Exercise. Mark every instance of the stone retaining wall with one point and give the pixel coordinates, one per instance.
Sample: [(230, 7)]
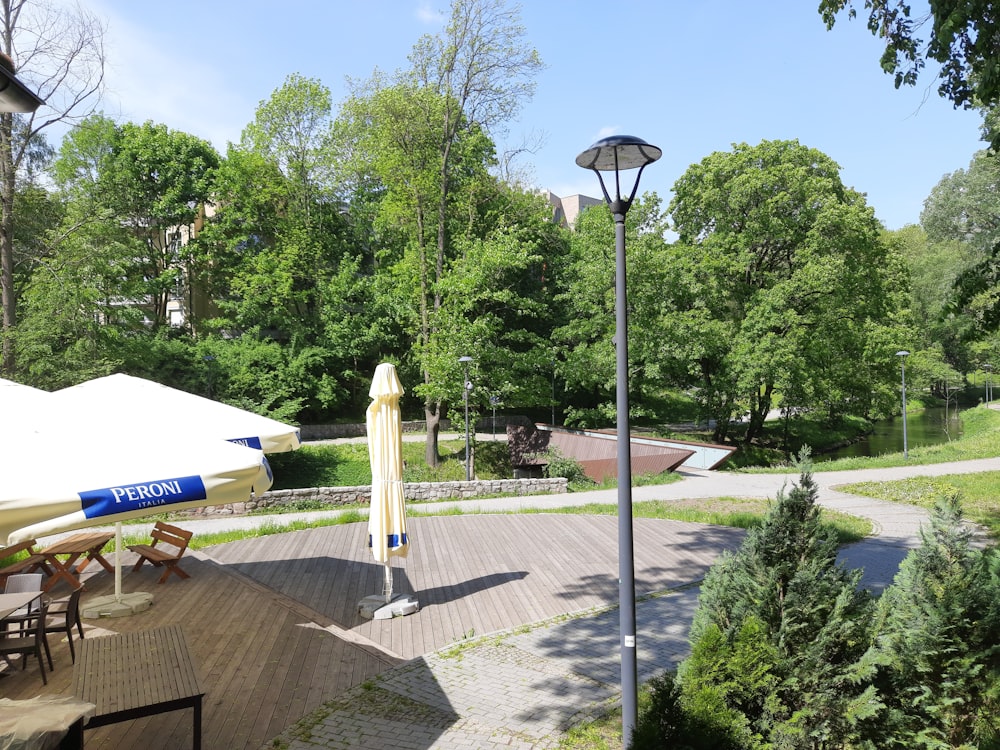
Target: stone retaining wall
[(414, 492)]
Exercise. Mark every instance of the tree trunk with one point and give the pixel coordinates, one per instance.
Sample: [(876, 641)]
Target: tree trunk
[(432, 412), (758, 413), (9, 301)]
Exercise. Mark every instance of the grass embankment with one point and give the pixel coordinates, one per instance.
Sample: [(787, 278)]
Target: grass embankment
[(978, 491), (980, 439)]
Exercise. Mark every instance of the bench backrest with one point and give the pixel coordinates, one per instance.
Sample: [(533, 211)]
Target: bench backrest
[(172, 535), (25, 546)]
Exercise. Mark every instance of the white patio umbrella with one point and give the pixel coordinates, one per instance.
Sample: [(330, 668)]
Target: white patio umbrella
[(63, 482), (160, 421), (20, 404), (387, 517), (124, 400), (53, 483)]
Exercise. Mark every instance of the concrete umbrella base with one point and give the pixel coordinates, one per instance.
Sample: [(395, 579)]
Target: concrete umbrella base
[(121, 605)]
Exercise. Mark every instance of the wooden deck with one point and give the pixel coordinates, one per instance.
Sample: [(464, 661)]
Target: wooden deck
[(273, 627)]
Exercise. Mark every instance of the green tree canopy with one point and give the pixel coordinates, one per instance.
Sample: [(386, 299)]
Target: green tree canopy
[(783, 285), (424, 138), (155, 181), (585, 328), (961, 36)]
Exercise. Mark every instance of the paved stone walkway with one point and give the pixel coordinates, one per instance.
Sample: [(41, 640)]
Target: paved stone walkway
[(524, 689)]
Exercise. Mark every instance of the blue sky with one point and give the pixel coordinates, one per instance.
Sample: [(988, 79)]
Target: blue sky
[(691, 78)]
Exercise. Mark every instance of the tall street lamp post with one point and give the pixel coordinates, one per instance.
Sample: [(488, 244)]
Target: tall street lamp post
[(613, 154), (903, 354), (466, 387)]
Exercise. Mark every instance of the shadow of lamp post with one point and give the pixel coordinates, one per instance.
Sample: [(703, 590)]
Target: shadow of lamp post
[(613, 154), (903, 354)]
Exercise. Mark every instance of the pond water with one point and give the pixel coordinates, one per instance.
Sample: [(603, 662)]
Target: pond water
[(927, 427)]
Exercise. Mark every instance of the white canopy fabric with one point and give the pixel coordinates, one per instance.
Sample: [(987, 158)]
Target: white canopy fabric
[(60, 482), (122, 447), (123, 402), (20, 404), (387, 519)]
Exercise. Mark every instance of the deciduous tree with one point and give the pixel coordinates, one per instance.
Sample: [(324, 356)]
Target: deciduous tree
[(59, 53), (782, 281), (585, 326), (155, 181), (427, 135)]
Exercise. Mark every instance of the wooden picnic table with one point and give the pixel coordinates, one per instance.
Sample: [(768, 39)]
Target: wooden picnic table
[(87, 545), (131, 675)]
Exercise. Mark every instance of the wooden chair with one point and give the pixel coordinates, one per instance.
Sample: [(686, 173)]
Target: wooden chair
[(171, 536), (31, 640), (63, 616)]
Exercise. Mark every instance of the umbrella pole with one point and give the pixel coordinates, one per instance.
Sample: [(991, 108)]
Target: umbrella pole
[(117, 604), (118, 561), (387, 586)]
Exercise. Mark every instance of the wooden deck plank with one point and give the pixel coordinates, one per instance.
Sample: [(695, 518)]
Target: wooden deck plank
[(273, 628)]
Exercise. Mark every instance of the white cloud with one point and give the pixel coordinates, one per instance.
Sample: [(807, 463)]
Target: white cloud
[(427, 15), (146, 80)]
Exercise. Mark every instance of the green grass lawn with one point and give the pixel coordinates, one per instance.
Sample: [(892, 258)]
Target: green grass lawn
[(978, 491), (347, 464)]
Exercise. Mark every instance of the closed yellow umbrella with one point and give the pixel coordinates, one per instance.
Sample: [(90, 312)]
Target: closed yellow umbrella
[(387, 518)]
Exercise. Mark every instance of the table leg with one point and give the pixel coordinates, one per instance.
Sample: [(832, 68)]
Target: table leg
[(197, 724), (61, 570), (93, 556), (73, 739)]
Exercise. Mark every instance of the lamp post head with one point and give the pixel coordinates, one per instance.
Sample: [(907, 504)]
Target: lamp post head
[(902, 353), (618, 152), (613, 154), (465, 359)]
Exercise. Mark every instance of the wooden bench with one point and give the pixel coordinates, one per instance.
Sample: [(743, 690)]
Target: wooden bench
[(32, 562), (131, 675), (171, 536)]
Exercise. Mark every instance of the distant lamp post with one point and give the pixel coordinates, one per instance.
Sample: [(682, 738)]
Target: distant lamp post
[(466, 388), (989, 383), (903, 354), (613, 154), (494, 400)]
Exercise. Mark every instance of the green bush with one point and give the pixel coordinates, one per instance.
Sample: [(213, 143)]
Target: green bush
[(558, 465), (667, 723)]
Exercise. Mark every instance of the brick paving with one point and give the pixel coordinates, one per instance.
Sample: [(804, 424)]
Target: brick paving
[(519, 690)]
